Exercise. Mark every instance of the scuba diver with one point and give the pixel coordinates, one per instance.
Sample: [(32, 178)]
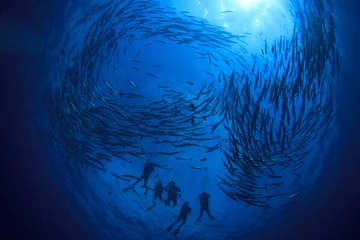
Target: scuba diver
[(158, 194), (184, 211), (149, 167), (172, 191), (204, 206)]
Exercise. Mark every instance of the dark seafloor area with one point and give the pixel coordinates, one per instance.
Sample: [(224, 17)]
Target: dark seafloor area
[(35, 206)]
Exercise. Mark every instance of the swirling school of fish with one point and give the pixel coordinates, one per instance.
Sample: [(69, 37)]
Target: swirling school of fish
[(273, 110)]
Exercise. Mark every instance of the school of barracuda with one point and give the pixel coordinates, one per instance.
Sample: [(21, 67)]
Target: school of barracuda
[(272, 109)]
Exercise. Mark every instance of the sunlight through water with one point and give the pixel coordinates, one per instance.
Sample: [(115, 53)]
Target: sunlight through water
[(247, 3), (228, 97)]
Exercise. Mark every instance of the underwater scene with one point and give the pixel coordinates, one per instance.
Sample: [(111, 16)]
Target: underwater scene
[(181, 119)]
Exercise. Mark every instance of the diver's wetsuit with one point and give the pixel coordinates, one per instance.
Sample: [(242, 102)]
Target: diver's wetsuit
[(158, 194), (204, 206), (148, 169), (185, 210), (172, 194)]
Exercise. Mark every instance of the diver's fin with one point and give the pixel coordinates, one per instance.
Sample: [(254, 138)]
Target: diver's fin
[(169, 228), (151, 207)]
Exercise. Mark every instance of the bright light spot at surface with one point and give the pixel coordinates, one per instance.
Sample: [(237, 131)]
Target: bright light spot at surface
[(262, 18), (246, 3)]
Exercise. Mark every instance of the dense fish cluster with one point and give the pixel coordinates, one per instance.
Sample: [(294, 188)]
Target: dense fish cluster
[(274, 106)]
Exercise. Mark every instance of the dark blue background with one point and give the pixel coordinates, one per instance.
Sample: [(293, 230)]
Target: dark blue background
[(33, 205)]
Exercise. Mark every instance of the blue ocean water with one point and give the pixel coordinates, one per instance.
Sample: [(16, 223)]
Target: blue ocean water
[(48, 193)]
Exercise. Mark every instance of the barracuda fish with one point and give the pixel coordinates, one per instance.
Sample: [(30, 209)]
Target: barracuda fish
[(130, 176), (121, 178), (265, 111), (170, 153), (132, 84), (183, 158), (198, 168)]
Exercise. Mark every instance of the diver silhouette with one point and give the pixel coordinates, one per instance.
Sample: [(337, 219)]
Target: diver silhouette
[(204, 206), (172, 191), (184, 211), (158, 194), (149, 167)]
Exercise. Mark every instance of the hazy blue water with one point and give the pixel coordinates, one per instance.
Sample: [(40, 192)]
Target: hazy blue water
[(45, 208)]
